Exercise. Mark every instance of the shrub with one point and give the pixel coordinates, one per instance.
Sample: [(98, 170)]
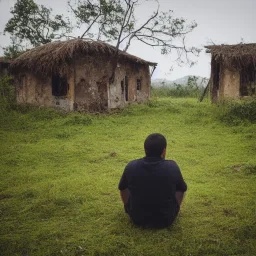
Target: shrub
[(177, 91), (7, 92), (234, 113)]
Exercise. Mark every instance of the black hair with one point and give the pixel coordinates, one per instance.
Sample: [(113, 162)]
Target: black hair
[(154, 145)]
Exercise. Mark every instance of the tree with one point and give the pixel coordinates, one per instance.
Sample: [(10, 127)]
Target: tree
[(100, 18), (35, 23), (14, 49), (192, 82), (116, 21)]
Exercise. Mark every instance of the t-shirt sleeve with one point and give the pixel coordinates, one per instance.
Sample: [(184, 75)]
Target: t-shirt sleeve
[(123, 183), (180, 183)]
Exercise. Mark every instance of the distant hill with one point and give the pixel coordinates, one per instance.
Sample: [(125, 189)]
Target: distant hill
[(200, 81)]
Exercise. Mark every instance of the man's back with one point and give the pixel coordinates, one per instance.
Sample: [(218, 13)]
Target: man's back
[(152, 182)]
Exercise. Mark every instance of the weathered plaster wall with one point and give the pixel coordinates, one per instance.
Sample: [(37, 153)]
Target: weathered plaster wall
[(144, 74), (32, 90), (131, 72), (229, 83), (89, 87), (37, 90), (116, 95), (93, 91), (91, 84)]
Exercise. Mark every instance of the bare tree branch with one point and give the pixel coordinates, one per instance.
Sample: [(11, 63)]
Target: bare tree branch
[(132, 35), (124, 20), (89, 27)]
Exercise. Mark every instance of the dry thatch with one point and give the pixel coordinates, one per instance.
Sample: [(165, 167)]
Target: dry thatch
[(4, 60), (57, 56), (234, 56)]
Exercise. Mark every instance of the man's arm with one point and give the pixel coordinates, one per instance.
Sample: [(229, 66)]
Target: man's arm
[(181, 186), (125, 195), (179, 196), (123, 187)]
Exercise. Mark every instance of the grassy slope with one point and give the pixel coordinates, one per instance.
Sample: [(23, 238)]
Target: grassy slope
[(59, 176)]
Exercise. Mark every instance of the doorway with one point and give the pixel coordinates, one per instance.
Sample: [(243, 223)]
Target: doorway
[(126, 89)]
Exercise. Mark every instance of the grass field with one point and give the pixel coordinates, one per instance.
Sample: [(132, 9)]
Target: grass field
[(59, 175)]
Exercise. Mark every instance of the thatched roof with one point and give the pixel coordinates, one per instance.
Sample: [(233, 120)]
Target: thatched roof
[(4, 60), (52, 57), (239, 55)]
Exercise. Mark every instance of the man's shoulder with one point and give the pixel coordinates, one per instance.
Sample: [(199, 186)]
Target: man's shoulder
[(171, 165), (170, 162), (133, 163)]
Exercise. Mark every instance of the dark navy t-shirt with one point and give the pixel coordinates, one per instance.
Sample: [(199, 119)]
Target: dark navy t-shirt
[(152, 183)]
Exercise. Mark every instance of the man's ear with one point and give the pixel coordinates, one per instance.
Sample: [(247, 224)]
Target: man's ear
[(163, 153)]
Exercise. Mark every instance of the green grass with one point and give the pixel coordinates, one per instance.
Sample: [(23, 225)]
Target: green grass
[(59, 175)]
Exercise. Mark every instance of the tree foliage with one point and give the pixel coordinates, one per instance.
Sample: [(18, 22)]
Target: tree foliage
[(116, 21), (99, 18), (35, 23), (14, 49)]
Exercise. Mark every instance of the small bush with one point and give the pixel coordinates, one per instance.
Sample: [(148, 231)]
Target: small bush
[(235, 113), (7, 93), (177, 91)]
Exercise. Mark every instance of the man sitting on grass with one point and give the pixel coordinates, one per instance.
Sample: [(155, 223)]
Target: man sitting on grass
[(152, 188)]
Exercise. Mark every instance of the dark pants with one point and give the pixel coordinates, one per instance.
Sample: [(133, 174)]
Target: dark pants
[(145, 223)]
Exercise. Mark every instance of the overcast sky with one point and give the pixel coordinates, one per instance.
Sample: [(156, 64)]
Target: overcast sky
[(220, 21)]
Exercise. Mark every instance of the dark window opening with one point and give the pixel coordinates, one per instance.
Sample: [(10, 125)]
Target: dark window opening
[(248, 81), (122, 86), (216, 76), (139, 84), (4, 65), (126, 88), (59, 86)]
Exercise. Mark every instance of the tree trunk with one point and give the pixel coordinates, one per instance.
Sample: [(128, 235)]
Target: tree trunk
[(204, 92)]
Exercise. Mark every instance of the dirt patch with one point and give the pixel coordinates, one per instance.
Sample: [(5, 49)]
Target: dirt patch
[(5, 196)]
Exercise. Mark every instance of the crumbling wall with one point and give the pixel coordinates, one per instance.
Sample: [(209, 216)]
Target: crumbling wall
[(88, 85), (229, 83), (91, 83), (129, 73), (116, 93), (37, 90), (93, 91), (144, 93), (31, 90)]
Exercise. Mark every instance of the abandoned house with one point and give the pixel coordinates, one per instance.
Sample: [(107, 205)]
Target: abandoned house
[(75, 75), (4, 65), (233, 71)]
